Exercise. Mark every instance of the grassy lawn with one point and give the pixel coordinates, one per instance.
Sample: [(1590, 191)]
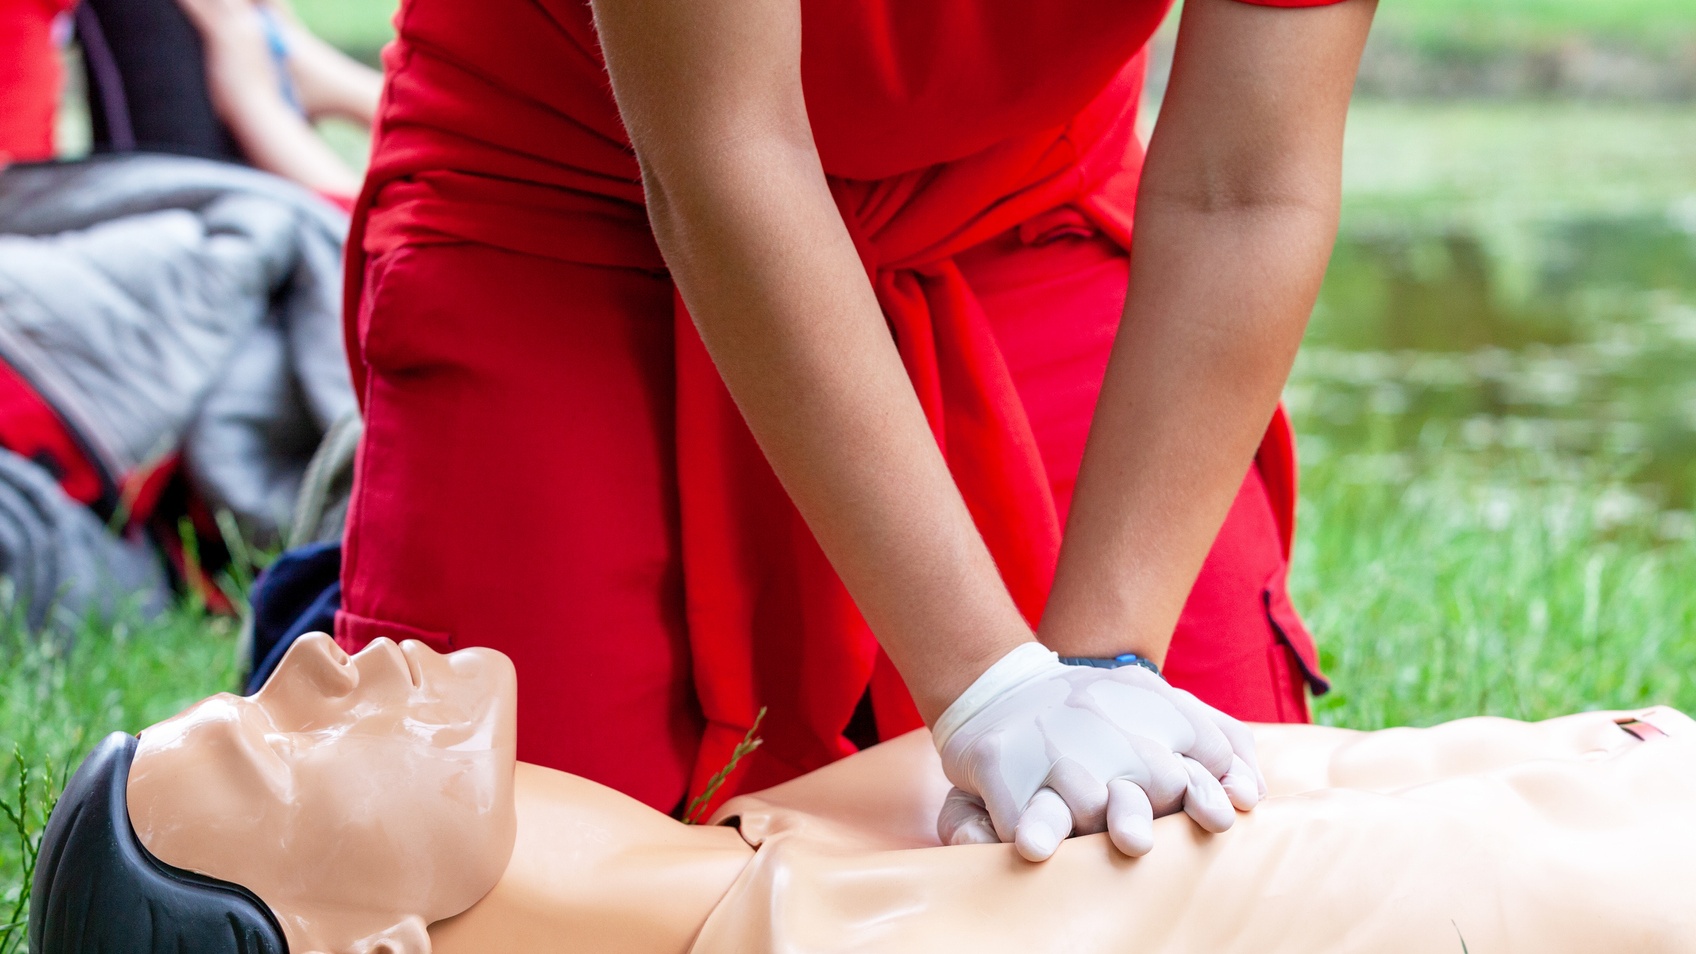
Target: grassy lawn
[(1497, 417), (1443, 598), (59, 697)]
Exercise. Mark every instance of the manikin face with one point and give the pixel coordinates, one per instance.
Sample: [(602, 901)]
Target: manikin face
[(361, 798)]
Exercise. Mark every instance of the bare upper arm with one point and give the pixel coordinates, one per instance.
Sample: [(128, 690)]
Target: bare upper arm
[(693, 77), (1254, 112)]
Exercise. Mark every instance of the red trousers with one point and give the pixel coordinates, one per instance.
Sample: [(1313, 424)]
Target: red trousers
[(517, 488)]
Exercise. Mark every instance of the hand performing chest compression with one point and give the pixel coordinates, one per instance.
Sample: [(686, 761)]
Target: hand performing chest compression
[(1039, 750)]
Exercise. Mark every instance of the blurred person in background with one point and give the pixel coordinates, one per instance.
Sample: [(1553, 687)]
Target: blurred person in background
[(271, 79), (170, 350), (236, 80)]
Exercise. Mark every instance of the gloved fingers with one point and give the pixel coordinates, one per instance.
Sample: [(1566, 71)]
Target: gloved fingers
[(1242, 785), (1004, 812), (1159, 773), (1242, 743), (1045, 822), (1085, 795), (1205, 800), (1002, 792), (964, 820), (1130, 817), (1211, 747)]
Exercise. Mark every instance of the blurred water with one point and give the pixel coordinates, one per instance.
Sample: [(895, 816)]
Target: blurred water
[(1564, 352)]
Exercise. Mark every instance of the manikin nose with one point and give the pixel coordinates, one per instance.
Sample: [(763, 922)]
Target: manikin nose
[(382, 661), (324, 665)]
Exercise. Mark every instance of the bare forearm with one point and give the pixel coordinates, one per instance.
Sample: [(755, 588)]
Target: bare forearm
[(1217, 307), (332, 83), (783, 305), (1235, 220), (248, 97), (278, 140), (710, 91)]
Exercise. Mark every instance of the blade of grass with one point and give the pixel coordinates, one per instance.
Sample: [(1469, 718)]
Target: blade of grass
[(750, 742)]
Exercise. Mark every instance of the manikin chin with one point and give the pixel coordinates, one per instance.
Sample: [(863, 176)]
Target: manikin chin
[(388, 776)]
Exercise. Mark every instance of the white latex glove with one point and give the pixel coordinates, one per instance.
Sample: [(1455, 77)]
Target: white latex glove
[(1039, 750)]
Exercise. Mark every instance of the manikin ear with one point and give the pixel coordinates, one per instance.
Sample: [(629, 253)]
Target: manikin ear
[(407, 937)]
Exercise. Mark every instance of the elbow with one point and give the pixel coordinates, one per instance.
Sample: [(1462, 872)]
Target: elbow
[(1289, 228), (700, 189), (1256, 183), (1226, 197)]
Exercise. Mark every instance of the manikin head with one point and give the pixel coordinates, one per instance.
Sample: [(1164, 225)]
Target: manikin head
[(358, 799)]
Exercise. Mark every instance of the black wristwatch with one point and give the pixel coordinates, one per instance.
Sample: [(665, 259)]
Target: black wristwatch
[(1113, 662)]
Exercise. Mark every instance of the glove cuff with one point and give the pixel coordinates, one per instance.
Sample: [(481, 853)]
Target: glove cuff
[(1025, 662)]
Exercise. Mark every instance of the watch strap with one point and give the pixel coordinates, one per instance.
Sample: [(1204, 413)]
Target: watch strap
[(1112, 662)]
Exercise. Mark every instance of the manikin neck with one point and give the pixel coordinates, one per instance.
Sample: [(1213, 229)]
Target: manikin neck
[(596, 870)]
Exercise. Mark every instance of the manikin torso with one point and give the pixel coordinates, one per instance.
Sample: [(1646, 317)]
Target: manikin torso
[(1568, 835), (1542, 837)]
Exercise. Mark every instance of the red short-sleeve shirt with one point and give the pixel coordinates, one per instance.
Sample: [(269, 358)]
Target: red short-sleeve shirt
[(515, 92)]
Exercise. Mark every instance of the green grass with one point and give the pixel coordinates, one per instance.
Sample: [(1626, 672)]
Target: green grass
[(58, 697), (1442, 598)]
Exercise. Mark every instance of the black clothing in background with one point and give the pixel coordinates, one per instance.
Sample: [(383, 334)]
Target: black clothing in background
[(147, 88)]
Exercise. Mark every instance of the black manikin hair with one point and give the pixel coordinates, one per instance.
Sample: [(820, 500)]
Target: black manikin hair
[(98, 891)]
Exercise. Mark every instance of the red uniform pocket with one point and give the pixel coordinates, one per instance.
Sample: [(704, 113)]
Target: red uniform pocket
[(1292, 632)]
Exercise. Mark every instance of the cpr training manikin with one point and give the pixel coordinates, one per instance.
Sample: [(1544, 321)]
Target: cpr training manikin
[(373, 805)]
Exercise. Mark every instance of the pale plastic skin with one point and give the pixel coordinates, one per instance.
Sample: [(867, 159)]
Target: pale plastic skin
[(1567, 835), (1570, 835), (360, 798)]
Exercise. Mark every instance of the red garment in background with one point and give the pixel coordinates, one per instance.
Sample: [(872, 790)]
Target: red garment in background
[(553, 467), (30, 78)]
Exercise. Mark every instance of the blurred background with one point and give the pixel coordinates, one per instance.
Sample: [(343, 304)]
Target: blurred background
[(1496, 400)]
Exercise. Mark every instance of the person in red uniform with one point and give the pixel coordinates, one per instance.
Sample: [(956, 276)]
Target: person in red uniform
[(768, 375)]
